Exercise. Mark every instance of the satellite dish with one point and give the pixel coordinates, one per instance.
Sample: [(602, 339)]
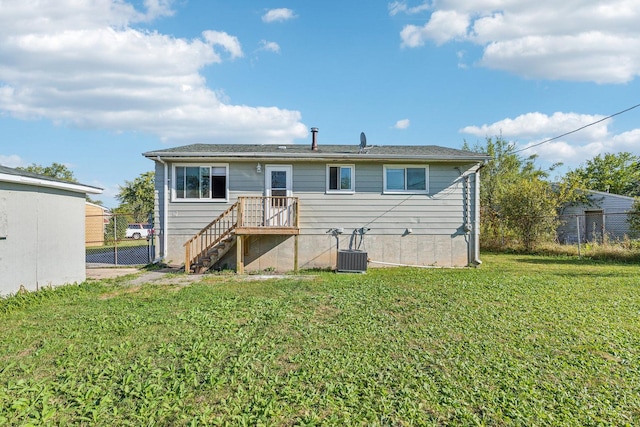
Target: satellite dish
[(363, 140)]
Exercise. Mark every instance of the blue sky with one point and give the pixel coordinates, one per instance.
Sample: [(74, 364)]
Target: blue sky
[(94, 84)]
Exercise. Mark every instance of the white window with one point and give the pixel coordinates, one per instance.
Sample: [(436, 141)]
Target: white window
[(201, 182), (340, 179), (413, 179)]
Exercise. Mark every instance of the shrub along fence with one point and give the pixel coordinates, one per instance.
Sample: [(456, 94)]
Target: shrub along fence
[(595, 227), (108, 242)]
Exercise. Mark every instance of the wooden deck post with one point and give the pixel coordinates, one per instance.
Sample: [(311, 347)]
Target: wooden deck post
[(295, 253), (187, 259), (240, 255), (295, 241), (241, 211), (297, 213)]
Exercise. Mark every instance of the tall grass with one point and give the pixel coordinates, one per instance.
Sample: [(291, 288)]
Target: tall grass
[(625, 250)]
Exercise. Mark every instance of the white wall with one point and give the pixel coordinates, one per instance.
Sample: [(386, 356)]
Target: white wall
[(42, 237)]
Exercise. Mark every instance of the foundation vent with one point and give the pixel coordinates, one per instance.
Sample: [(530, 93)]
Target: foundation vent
[(350, 261)]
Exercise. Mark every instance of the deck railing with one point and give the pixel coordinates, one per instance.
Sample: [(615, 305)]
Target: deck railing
[(211, 235), (273, 211), (250, 213)]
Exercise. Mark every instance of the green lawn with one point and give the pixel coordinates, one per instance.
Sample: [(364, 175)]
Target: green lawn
[(523, 340)]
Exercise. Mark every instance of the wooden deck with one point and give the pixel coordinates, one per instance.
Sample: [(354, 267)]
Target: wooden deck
[(267, 230), (249, 216), (266, 216)]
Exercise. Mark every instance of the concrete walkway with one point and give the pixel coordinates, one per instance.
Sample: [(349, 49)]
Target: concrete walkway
[(168, 276), (164, 276), (100, 273)]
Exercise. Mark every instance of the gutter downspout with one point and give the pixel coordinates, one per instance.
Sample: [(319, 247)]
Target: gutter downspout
[(165, 208), (476, 218)]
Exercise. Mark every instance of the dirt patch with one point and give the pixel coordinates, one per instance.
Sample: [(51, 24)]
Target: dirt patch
[(166, 276), (169, 276), (110, 272), (162, 276)]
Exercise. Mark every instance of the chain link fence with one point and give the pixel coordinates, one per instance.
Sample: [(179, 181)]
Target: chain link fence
[(113, 239), (596, 226)]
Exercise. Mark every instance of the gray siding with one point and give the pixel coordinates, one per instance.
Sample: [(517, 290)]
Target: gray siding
[(614, 208), (43, 241), (438, 216), (439, 212)]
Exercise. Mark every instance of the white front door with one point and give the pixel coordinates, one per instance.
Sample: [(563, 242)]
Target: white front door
[(278, 206)]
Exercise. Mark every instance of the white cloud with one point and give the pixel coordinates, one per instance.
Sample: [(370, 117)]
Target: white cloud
[(229, 43), (11, 161), (80, 64), (50, 16), (531, 129), (401, 7), (278, 15), (441, 28), (158, 8), (109, 193), (585, 40), (532, 125), (269, 46), (402, 124)]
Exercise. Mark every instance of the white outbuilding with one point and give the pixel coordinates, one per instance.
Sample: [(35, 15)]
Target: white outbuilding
[(42, 231)]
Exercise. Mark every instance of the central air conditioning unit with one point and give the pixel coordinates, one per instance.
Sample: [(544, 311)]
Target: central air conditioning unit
[(350, 261)]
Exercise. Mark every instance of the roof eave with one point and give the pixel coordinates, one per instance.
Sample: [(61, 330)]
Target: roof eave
[(70, 186), (186, 156)]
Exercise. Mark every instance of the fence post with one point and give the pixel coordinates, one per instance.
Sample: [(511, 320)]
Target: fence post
[(115, 239), (578, 231), (150, 251)]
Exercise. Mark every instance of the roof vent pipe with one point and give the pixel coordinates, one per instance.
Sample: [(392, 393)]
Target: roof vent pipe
[(314, 139)]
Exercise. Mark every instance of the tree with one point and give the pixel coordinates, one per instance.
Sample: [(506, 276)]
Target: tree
[(529, 208), (516, 200), (633, 218), (137, 196), (502, 173), (117, 227), (613, 173), (56, 170)]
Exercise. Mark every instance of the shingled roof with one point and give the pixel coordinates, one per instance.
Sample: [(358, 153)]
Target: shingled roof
[(304, 152)]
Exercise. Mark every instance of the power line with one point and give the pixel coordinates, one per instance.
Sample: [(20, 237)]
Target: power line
[(579, 129)]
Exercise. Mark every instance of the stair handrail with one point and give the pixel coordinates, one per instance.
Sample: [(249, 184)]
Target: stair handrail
[(210, 235)]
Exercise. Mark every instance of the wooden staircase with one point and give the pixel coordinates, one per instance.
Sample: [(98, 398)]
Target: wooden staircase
[(213, 255), (250, 215), (204, 249)]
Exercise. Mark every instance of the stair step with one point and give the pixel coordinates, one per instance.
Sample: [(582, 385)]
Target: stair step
[(209, 258)]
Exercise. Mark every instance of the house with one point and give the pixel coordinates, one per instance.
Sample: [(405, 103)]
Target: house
[(604, 214), (96, 218), (290, 207), (42, 231)]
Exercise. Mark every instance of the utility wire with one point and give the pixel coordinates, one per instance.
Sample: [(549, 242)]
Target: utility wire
[(579, 129)]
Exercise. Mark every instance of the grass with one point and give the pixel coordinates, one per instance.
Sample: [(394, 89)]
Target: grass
[(624, 250), (523, 340)]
